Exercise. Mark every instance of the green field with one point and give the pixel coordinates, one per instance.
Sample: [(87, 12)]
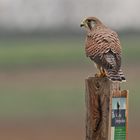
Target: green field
[(41, 52), (46, 77)]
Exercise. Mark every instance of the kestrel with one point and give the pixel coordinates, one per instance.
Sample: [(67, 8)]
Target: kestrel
[(104, 48)]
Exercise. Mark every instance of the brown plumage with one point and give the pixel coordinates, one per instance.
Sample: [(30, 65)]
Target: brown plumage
[(103, 47)]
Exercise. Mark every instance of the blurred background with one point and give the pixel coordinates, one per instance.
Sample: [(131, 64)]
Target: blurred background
[(43, 65)]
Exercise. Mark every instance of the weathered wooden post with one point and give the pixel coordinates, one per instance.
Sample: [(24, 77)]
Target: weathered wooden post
[(106, 110), (107, 105)]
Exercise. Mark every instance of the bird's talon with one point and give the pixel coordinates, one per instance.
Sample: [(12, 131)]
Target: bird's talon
[(97, 75), (103, 75)]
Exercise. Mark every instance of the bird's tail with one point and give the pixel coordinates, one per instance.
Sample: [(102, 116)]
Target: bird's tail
[(116, 76)]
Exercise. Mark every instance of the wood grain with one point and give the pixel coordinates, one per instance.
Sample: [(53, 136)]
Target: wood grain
[(98, 92)]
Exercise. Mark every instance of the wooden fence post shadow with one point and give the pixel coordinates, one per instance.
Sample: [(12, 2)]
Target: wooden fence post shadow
[(99, 95)]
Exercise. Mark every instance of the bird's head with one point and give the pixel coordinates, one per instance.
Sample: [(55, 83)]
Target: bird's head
[(90, 23)]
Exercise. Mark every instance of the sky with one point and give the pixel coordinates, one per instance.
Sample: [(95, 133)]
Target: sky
[(52, 14)]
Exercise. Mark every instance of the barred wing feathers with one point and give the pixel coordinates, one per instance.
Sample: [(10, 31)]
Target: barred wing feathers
[(103, 47)]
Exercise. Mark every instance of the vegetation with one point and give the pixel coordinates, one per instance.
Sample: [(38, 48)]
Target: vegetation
[(44, 77), (54, 52)]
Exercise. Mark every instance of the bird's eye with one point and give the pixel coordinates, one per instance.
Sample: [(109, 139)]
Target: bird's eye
[(88, 20)]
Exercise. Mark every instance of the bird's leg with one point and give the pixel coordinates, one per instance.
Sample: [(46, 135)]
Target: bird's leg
[(102, 72)]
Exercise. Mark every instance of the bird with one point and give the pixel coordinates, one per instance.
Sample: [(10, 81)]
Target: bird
[(118, 108), (103, 46)]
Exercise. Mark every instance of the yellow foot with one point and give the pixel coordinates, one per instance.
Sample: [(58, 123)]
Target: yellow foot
[(98, 75), (103, 75)]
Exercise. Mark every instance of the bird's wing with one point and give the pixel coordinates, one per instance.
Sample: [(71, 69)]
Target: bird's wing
[(104, 48), (111, 60)]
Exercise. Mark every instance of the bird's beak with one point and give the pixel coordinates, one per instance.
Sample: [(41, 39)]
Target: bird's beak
[(83, 23)]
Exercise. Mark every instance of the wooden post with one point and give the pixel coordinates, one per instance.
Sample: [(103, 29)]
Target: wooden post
[(99, 95)]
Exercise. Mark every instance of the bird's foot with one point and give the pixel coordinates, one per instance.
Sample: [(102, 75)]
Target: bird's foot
[(98, 75), (103, 74)]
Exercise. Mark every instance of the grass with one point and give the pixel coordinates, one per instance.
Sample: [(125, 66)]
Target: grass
[(26, 90), (43, 53), (14, 53), (131, 49)]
